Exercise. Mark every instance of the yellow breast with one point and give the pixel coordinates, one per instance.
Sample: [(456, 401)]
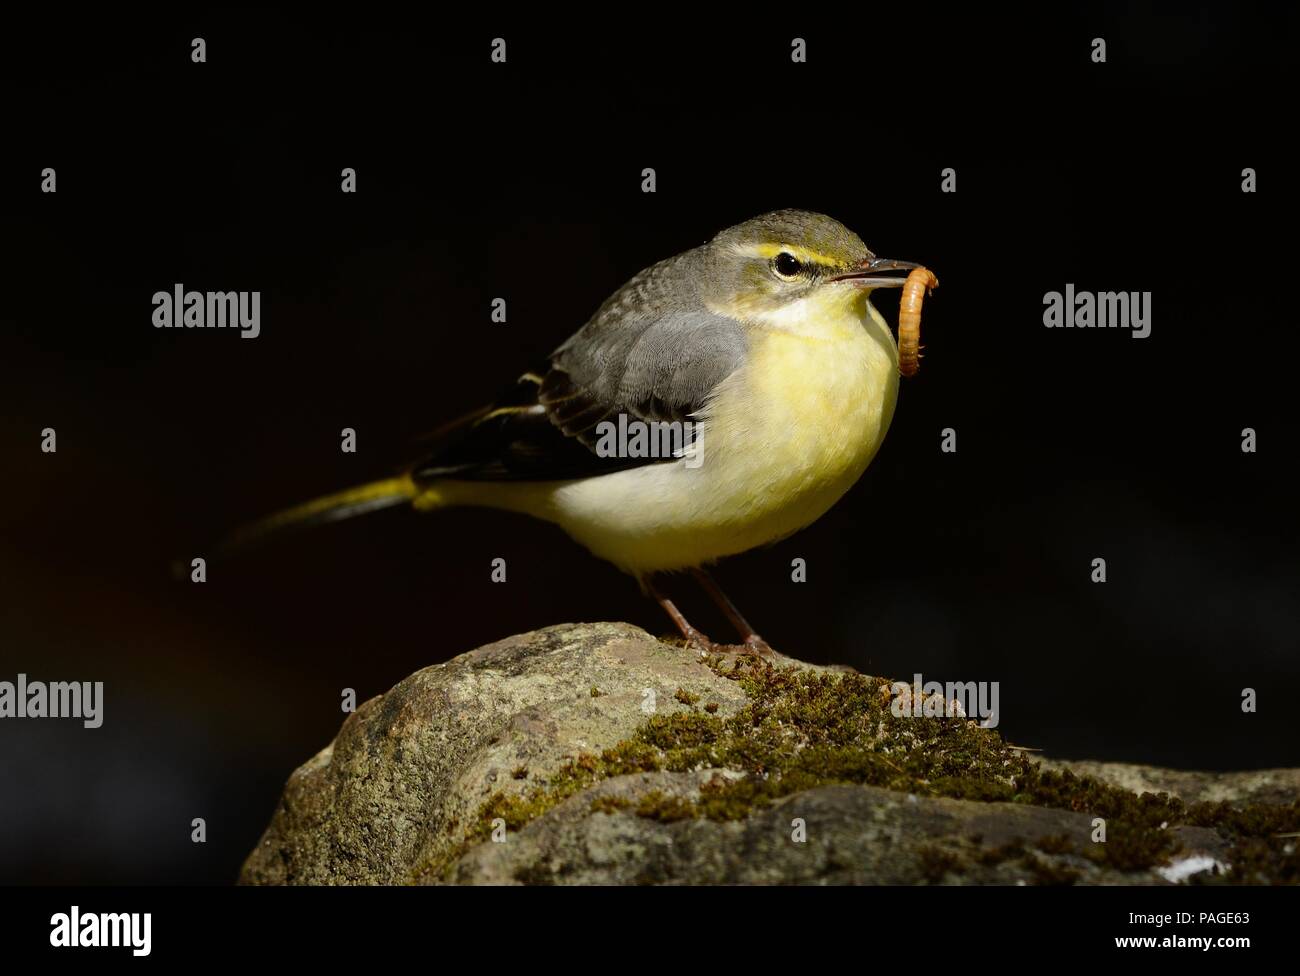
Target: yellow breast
[(784, 437), (802, 421)]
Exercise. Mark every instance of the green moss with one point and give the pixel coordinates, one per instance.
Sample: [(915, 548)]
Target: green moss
[(1040, 870), (937, 863), (1260, 860), (799, 730), (1056, 844), (1258, 855), (1083, 794), (630, 756), (802, 729), (1133, 847), (1049, 872), (665, 808), (609, 804), (993, 856), (1250, 820), (986, 791)]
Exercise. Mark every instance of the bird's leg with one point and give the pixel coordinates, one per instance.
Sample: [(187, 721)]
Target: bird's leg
[(747, 633), (692, 635)]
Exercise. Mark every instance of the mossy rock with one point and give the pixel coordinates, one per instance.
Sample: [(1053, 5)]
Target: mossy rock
[(596, 754)]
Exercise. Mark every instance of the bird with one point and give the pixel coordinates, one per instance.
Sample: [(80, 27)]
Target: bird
[(762, 343)]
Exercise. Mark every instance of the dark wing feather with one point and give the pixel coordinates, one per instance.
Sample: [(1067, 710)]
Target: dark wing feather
[(513, 440), (647, 353)]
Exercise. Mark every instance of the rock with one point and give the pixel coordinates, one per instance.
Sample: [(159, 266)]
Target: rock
[(409, 768), (505, 740), (854, 835), (1256, 786)]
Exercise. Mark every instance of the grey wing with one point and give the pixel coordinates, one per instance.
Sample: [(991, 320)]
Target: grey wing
[(650, 368), (655, 361)]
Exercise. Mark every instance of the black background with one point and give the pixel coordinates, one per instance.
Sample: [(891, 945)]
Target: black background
[(522, 181)]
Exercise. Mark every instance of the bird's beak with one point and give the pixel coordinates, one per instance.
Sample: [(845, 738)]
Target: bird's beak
[(872, 273)]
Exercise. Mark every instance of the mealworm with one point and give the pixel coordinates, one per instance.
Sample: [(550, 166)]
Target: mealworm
[(909, 319)]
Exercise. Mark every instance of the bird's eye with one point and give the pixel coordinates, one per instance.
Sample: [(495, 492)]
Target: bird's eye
[(787, 265)]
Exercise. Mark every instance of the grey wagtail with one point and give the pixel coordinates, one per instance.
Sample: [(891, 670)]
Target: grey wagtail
[(764, 339)]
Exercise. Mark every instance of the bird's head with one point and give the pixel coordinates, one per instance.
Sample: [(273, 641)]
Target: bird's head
[(792, 268)]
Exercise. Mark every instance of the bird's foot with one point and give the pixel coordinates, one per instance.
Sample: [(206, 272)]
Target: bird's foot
[(752, 646), (697, 640)]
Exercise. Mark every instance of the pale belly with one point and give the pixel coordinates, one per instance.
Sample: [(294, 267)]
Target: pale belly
[(784, 439)]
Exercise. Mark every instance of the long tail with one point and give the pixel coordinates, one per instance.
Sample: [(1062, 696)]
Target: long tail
[(331, 508)]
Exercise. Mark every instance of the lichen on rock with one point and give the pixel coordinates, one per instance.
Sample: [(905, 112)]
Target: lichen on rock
[(597, 754)]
